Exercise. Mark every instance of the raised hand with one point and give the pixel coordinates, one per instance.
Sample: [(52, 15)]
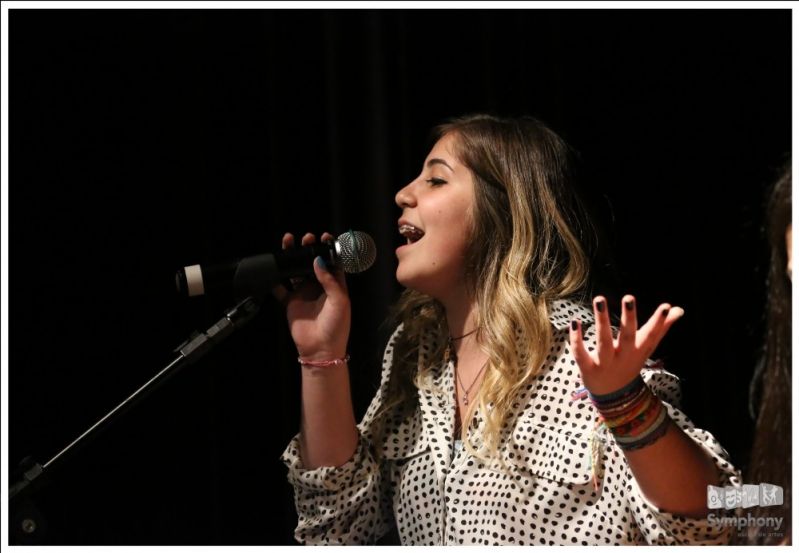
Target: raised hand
[(318, 311), (615, 362)]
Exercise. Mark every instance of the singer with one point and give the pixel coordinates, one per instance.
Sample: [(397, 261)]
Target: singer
[(509, 411)]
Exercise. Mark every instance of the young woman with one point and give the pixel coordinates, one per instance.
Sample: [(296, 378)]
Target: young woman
[(508, 412)]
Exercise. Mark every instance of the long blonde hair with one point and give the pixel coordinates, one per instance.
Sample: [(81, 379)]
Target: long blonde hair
[(524, 252)]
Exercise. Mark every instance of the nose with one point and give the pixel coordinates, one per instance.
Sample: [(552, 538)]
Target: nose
[(405, 197)]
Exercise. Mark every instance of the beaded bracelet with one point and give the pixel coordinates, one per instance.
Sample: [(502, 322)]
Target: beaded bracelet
[(633, 414), (329, 363)]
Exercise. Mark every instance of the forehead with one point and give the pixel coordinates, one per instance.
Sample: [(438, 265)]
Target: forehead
[(445, 149)]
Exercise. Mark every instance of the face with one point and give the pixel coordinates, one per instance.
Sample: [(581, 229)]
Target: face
[(436, 217)]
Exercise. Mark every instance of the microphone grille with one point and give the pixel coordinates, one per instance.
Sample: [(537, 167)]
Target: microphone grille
[(356, 251)]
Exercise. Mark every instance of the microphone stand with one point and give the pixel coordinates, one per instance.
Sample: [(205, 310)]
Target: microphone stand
[(27, 524)]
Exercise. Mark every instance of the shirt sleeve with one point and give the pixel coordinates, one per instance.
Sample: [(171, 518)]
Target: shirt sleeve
[(660, 527), (349, 504)]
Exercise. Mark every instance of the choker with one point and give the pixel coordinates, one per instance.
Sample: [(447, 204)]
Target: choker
[(449, 353)]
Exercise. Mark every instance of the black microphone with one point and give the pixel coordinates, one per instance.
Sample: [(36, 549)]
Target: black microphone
[(353, 251)]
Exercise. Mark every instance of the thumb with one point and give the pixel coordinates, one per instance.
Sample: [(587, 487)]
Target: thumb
[(332, 282)]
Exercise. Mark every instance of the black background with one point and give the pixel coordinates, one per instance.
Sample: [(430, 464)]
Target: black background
[(142, 141)]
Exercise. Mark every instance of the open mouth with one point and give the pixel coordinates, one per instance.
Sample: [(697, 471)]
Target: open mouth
[(411, 233)]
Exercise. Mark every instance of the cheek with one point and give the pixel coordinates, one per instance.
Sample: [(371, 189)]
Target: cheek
[(448, 250), (457, 229)]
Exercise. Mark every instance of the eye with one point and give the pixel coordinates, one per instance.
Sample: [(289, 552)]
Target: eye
[(436, 182)]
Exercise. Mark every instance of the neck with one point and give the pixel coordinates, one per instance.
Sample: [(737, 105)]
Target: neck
[(461, 312)]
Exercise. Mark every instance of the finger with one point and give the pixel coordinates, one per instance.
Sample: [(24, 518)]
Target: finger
[(338, 272), (581, 356), (341, 279), (334, 287), (675, 314), (308, 238), (655, 321), (307, 287), (281, 294), (656, 327), (604, 332), (629, 321), (328, 238)]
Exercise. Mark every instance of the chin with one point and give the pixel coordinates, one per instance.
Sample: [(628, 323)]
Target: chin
[(436, 284), (405, 280), (416, 284)]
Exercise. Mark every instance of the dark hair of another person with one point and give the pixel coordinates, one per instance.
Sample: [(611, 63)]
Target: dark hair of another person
[(771, 384)]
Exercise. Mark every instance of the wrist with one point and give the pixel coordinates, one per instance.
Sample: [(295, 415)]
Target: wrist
[(319, 361), (607, 398), (634, 414), (322, 354)]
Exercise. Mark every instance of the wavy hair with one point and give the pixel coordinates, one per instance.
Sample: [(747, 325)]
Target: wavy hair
[(524, 251)]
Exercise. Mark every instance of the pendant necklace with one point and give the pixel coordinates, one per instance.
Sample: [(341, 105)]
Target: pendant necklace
[(465, 391), (451, 356)]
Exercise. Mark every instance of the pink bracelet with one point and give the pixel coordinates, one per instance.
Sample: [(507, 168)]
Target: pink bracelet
[(329, 363)]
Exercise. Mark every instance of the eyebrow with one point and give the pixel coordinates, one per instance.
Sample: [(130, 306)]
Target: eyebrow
[(439, 161)]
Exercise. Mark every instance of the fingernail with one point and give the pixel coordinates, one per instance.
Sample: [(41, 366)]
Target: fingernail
[(629, 304), (665, 312), (574, 325), (600, 306), (680, 311), (321, 262)]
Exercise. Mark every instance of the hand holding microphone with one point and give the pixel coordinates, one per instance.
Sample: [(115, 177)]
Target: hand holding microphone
[(352, 251), (318, 312)]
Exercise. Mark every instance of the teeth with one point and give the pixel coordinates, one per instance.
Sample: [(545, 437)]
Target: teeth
[(411, 232)]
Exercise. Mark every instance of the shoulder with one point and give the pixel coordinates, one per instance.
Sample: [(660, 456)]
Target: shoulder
[(547, 400), (563, 311), (415, 347), (388, 352)]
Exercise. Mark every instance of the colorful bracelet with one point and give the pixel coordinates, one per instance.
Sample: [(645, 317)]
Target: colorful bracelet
[(329, 363), (634, 414)]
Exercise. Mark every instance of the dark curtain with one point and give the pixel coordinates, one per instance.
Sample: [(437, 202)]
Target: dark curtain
[(142, 141)]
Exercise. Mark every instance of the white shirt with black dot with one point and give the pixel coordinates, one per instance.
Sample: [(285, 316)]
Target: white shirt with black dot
[(539, 491)]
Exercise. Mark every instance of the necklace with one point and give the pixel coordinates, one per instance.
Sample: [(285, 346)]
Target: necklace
[(465, 391), (449, 353), (451, 339)]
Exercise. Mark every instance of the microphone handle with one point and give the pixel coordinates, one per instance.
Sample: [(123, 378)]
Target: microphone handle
[(299, 261), (257, 275)]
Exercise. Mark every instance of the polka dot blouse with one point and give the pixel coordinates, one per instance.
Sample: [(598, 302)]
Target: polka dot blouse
[(538, 491)]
